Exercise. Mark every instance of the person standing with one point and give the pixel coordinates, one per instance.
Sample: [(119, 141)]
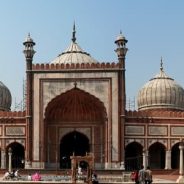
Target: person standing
[(29, 178), (94, 179), (136, 176), (148, 179), (142, 175)]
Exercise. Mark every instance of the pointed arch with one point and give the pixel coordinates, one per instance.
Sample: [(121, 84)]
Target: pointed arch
[(157, 155), (175, 156), (18, 155), (75, 105), (133, 156), (74, 110), (74, 143)]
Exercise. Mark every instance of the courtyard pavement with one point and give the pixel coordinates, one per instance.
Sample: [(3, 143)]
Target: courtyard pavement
[(165, 178), (157, 178)]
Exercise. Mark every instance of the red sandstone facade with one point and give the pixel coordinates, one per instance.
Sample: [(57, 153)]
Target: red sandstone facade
[(77, 108)]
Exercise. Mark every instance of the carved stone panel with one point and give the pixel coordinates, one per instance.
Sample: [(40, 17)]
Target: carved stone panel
[(157, 130), (134, 130), (14, 130), (162, 141), (174, 141), (177, 131), (140, 141)]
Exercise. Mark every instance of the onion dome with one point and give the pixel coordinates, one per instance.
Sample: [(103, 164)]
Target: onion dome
[(121, 38), (5, 98), (161, 92), (74, 54)]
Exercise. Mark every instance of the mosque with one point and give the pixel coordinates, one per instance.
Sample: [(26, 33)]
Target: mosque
[(77, 105)]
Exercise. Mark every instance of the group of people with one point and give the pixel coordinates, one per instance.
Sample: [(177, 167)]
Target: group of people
[(142, 176), (11, 175), (14, 175), (93, 177)]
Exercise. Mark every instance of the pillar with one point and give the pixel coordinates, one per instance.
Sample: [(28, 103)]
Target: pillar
[(168, 159), (9, 159), (145, 158), (3, 159), (181, 147), (181, 178)]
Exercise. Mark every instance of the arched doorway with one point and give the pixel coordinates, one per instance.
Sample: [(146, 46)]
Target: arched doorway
[(66, 114), (77, 171), (175, 156), (18, 155), (74, 143), (133, 156), (157, 156)]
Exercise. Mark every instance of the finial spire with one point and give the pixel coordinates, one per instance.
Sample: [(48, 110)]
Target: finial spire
[(73, 34), (161, 64), (75, 84)]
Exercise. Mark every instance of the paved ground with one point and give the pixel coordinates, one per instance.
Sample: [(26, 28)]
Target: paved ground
[(156, 177), (167, 177)]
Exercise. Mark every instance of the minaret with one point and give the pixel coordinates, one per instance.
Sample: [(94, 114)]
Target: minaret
[(121, 51), (29, 53)]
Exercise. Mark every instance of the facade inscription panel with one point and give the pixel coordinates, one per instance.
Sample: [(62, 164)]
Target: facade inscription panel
[(15, 130), (134, 130), (177, 130), (155, 130)]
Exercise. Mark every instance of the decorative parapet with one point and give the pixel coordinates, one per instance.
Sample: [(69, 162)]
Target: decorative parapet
[(71, 66), (155, 113), (12, 114)]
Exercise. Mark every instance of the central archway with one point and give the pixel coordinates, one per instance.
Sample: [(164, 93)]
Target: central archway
[(65, 115), (74, 143)]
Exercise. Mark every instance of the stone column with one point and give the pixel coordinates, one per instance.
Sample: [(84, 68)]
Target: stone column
[(145, 158), (168, 159), (181, 177), (10, 159), (3, 159), (181, 147)]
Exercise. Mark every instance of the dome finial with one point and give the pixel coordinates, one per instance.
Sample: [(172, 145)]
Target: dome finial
[(161, 64), (73, 34)]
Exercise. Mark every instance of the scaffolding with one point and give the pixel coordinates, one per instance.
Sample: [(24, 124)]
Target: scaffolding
[(21, 105), (130, 104)]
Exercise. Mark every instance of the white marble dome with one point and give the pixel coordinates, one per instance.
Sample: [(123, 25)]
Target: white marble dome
[(161, 92), (74, 54), (5, 98)]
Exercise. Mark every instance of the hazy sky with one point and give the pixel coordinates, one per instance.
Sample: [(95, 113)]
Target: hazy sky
[(154, 28)]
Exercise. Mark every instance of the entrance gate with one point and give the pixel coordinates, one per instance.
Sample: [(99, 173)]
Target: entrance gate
[(75, 161)]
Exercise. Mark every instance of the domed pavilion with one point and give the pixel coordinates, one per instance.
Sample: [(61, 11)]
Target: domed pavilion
[(5, 98)]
